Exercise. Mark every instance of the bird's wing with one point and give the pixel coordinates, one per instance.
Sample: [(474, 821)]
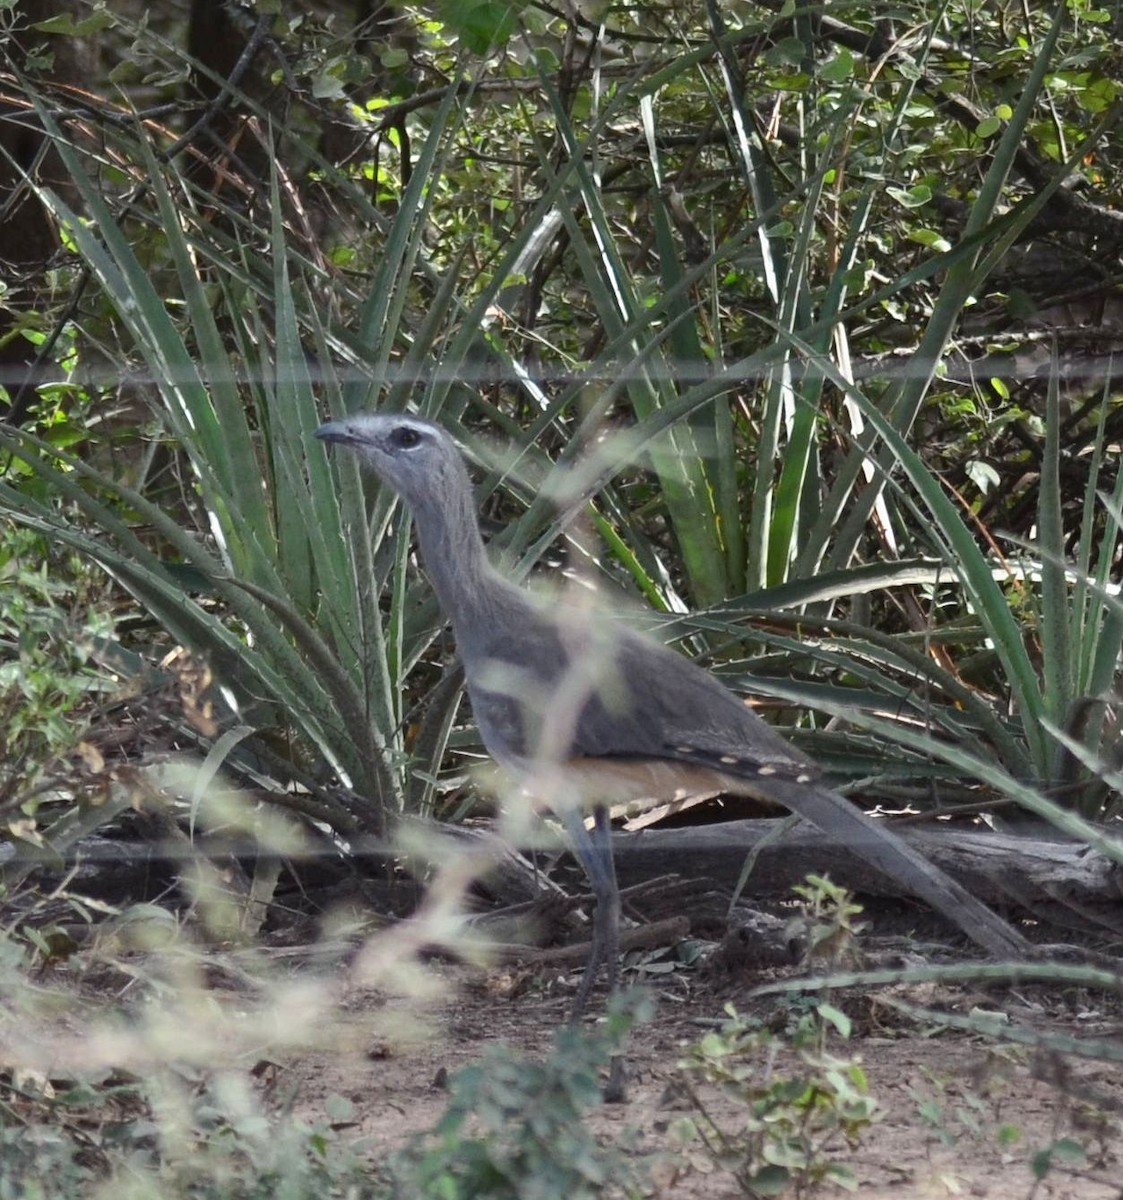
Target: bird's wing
[(653, 701), (583, 686)]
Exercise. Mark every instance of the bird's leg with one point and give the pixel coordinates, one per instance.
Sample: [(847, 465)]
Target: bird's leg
[(608, 905), (592, 964), (595, 853), (608, 918), (595, 857)]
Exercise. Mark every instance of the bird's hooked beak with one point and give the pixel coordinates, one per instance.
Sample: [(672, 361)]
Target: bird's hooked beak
[(338, 431)]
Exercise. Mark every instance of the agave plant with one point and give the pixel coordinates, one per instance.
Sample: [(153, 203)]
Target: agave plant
[(296, 584)]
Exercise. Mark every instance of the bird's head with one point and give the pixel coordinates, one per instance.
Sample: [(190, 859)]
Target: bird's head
[(416, 457)]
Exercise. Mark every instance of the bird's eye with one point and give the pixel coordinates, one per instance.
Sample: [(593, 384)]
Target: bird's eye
[(405, 438)]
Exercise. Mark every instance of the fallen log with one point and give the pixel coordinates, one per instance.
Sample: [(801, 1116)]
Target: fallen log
[(1000, 868)]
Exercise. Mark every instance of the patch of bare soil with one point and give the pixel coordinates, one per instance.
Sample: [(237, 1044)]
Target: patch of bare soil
[(954, 1118)]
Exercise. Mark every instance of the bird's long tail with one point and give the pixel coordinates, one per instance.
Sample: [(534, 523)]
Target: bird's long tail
[(838, 818)]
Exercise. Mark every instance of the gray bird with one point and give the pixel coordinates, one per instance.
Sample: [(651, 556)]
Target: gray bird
[(588, 713)]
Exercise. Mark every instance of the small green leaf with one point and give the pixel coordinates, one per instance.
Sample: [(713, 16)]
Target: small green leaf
[(1008, 1135), (481, 27), (931, 238), (838, 69), (770, 1181), (842, 1176), (930, 1112), (1065, 1149), (338, 1108), (393, 58), (66, 25), (982, 475), (713, 1045), (1070, 1150), (789, 51), (795, 82), (913, 197), (837, 1018), (328, 86)]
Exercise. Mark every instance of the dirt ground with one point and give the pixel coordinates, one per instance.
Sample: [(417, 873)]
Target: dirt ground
[(943, 1098)]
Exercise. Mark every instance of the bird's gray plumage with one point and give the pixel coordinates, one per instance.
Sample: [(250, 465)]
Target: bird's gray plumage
[(635, 702)]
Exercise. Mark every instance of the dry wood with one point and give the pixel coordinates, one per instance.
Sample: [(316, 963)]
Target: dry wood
[(996, 867)]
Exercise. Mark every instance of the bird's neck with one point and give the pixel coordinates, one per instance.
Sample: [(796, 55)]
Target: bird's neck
[(456, 562)]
